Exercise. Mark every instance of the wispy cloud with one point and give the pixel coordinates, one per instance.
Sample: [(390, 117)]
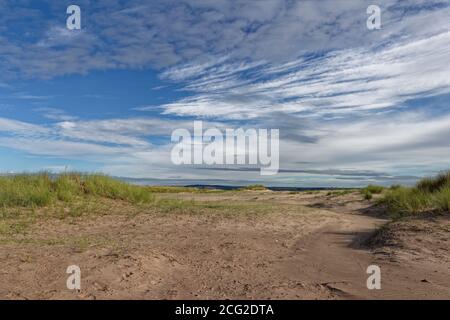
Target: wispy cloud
[(339, 93), (166, 33), (21, 128), (54, 114), (27, 96), (341, 82)]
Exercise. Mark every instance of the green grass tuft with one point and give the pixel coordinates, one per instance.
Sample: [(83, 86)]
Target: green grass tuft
[(373, 189), (38, 190), (104, 186), (429, 195), (367, 194), (26, 190), (434, 184)]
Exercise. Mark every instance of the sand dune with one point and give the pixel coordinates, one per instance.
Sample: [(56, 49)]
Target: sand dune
[(272, 245)]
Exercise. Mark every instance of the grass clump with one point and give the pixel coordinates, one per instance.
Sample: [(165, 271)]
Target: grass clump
[(370, 190), (429, 195), (26, 190), (38, 190), (104, 186), (367, 194), (373, 189), (67, 187), (434, 184)]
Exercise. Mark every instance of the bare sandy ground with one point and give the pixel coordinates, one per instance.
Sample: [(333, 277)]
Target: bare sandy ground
[(306, 246)]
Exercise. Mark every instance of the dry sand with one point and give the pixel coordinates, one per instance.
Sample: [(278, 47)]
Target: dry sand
[(309, 246)]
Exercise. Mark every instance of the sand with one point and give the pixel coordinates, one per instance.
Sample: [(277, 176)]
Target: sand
[(308, 246)]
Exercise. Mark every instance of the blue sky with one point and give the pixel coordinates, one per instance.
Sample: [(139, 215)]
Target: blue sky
[(353, 106)]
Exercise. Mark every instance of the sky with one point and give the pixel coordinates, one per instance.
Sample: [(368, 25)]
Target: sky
[(353, 106)]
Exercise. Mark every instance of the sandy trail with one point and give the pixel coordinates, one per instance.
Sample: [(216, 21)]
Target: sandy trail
[(310, 249)]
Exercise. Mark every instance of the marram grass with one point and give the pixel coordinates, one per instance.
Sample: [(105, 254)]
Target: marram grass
[(429, 195), (28, 190)]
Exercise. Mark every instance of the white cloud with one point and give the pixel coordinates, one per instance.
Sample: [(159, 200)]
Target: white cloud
[(54, 114), (343, 82), (21, 128), (135, 34), (246, 60)]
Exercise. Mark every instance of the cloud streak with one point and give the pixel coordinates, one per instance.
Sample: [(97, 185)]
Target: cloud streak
[(339, 83), (340, 94)]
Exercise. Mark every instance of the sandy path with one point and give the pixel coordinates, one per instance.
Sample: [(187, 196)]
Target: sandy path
[(300, 252)]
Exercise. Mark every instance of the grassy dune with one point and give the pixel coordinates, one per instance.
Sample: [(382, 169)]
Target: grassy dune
[(37, 190), (75, 194), (429, 195), (28, 198), (40, 190)]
